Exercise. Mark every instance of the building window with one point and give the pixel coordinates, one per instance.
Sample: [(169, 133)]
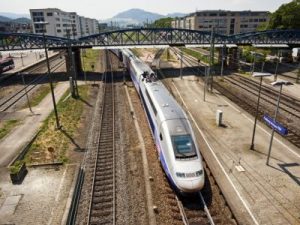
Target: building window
[(38, 26), (58, 25), (58, 30), (57, 19), (38, 19), (37, 14), (49, 14)]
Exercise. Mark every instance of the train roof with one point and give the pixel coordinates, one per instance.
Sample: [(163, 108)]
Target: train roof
[(168, 106)]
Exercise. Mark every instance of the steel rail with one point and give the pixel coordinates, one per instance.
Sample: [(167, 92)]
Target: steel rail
[(211, 221), (27, 88), (182, 212), (105, 144)]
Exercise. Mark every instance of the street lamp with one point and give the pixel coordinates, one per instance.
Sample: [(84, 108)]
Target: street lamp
[(223, 58), (25, 89), (276, 84), (211, 60), (206, 72), (277, 64), (83, 56), (73, 71), (44, 23), (261, 75), (181, 56), (22, 59)]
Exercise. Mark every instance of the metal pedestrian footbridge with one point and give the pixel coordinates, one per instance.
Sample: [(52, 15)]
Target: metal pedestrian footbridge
[(149, 37)]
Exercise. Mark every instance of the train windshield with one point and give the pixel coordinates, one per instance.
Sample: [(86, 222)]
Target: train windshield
[(184, 146)]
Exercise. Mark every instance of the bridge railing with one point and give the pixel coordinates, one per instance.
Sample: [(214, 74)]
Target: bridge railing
[(147, 36)]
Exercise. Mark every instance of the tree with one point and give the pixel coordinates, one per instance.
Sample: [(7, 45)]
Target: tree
[(163, 23), (286, 17)]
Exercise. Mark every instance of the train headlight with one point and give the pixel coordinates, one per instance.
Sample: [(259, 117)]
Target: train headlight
[(180, 174), (199, 173)]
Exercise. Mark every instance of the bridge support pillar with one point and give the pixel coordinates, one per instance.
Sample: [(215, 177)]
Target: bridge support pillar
[(77, 60), (73, 64), (68, 62), (233, 58), (223, 53)]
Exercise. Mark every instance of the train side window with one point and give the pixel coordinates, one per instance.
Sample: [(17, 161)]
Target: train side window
[(160, 136)]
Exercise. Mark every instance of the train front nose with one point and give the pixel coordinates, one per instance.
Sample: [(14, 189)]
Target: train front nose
[(190, 185)]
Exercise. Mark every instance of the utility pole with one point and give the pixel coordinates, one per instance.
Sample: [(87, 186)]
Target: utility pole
[(205, 82), (72, 69), (253, 64), (260, 75), (25, 89), (280, 84), (75, 74), (22, 59), (262, 66), (181, 55), (83, 63), (298, 74), (211, 61), (223, 58), (58, 126)]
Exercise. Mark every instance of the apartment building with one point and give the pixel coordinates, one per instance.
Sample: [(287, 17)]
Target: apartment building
[(88, 26), (224, 22), (62, 24)]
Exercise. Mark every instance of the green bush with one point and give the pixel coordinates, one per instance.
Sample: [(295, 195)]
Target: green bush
[(15, 168)]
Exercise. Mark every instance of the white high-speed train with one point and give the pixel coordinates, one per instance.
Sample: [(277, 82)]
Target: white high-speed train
[(178, 151)]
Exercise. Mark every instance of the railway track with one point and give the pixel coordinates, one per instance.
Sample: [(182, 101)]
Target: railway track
[(288, 104), (189, 61), (103, 194), (194, 210), (206, 207), (7, 102), (8, 78), (249, 105)]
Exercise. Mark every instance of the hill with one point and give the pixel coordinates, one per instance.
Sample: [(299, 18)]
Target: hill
[(137, 17), (4, 19), (22, 20), (14, 15)]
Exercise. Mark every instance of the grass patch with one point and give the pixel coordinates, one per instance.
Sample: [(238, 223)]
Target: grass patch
[(195, 54), (39, 95), (90, 57), (15, 168), (51, 145), (136, 52), (167, 56), (7, 126)]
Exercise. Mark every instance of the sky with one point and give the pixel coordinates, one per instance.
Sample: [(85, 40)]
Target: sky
[(103, 9)]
